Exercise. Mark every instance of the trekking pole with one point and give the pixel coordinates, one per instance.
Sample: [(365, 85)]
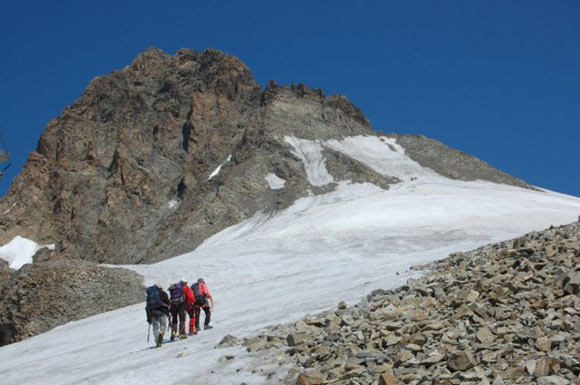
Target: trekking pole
[(148, 333)]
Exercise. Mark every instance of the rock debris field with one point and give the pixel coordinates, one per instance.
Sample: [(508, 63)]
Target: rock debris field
[(506, 313)]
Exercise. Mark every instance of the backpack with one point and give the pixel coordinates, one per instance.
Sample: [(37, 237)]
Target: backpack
[(176, 294), (154, 298), (199, 298)]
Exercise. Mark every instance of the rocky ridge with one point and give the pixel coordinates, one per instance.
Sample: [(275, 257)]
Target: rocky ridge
[(47, 294), (503, 313), (125, 174)]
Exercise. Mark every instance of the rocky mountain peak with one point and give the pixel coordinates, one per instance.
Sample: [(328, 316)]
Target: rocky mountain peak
[(129, 162), (156, 157)]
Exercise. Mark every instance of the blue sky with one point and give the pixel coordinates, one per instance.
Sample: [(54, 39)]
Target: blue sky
[(497, 79)]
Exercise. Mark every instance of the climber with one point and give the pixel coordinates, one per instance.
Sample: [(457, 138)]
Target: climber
[(157, 311), (202, 295), (180, 298)]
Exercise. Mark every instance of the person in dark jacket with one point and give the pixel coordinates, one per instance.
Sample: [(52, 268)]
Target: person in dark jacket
[(157, 310), (180, 298), (203, 300)]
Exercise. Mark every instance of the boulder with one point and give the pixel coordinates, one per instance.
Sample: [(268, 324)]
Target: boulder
[(459, 361), (297, 338)]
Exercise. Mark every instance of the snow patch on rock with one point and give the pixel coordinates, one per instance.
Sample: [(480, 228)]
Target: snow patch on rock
[(275, 182), (384, 156), (19, 251), (310, 152), (218, 168)]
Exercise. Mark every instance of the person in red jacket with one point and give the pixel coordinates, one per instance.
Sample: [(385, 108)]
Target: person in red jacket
[(202, 295), (189, 305)]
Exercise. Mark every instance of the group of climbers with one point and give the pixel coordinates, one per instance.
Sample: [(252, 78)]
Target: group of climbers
[(181, 301)]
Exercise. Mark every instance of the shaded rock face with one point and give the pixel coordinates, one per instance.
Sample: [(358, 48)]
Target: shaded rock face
[(123, 175), (43, 295), (503, 313)]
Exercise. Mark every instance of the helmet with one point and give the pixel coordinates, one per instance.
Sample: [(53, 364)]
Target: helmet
[(200, 280), (183, 280)]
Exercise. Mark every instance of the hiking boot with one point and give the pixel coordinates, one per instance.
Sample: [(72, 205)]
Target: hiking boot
[(207, 327), (159, 340), (172, 335), (182, 336)]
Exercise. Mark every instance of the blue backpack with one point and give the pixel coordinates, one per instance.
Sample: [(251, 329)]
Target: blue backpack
[(154, 298)]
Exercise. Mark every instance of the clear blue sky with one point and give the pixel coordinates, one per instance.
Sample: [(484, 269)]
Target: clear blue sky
[(499, 79)]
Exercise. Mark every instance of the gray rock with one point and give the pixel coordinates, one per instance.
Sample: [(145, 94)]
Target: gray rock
[(228, 341), (297, 339), (552, 380), (530, 366), (485, 336), (570, 282), (256, 343)]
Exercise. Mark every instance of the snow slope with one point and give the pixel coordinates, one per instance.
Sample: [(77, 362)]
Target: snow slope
[(275, 268)]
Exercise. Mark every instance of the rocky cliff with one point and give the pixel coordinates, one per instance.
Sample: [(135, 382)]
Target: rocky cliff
[(47, 294), (124, 175)]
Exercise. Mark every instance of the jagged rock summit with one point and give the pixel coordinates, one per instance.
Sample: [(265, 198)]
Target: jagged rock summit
[(154, 158)]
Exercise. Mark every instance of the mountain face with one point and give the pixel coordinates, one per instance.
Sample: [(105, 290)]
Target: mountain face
[(153, 159)]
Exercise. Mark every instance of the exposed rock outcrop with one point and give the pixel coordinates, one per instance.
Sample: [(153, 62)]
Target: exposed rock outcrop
[(503, 313), (452, 163), (43, 295), (123, 175)]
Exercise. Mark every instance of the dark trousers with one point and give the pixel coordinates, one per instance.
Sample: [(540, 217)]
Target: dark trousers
[(197, 311), (178, 312)]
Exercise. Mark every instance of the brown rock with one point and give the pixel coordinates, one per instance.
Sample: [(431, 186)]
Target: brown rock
[(544, 367), (310, 378), (544, 344), (387, 379), (485, 336)]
